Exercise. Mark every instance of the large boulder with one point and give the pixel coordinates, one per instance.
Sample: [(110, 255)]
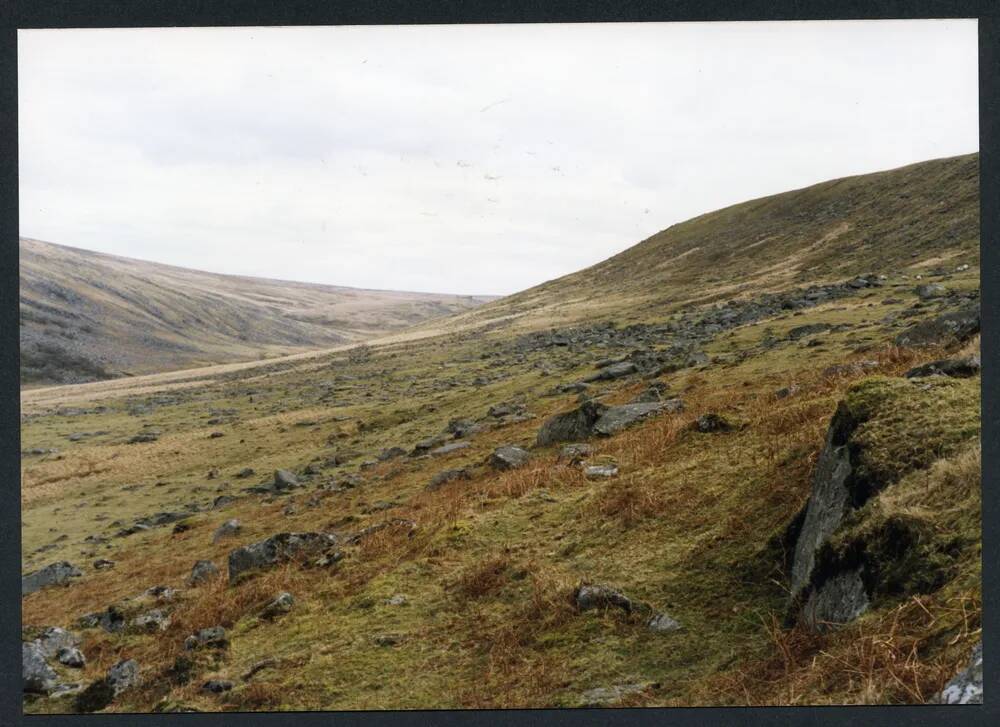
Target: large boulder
[(945, 330), (967, 686), (54, 638), (54, 574), (571, 426), (278, 549)]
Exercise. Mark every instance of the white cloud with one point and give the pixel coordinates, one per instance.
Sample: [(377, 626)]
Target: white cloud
[(474, 159)]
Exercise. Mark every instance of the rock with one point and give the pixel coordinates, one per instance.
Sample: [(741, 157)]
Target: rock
[(462, 428), (449, 448), (655, 392), (571, 426), (954, 367), (244, 473), (397, 600), (929, 291), (216, 435), (445, 476), (217, 686), (228, 529), (221, 501), (614, 371), (36, 675), (575, 453), (278, 549), (662, 623), (850, 369), (54, 574), (391, 453), (945, 330), (387, 639), (143, 437), (151, 621), (599, 596), (202, 571), (508, 458), (95, 697), (426, 445), (213, 637), (284, 480), (838, 600), (713, 423), (505, 409), (605, 696), (616, 418), (123, 675), (785, 391), (828, 500), (278, 606), (602, 471), (72, 657), (54, 638), (967, 686), (103, 564), (802, 331)]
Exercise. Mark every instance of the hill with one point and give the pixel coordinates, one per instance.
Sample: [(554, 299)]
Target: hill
[(86, 315), (717, 469)]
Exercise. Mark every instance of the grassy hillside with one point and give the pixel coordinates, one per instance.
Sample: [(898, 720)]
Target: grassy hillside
[(461, 590), (87, 315)]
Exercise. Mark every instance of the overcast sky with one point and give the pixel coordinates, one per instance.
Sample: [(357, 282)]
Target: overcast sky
[(465, 159)]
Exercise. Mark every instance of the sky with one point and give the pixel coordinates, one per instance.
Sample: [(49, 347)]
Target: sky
[(460, 159)]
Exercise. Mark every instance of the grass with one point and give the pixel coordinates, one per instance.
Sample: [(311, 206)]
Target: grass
[(693, 525)]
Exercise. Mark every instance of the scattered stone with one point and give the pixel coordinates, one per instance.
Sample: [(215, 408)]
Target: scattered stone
[(244, 473), (785, 391), (387, 639), (278, 606), (55, 638), (228, 529), (103, 564), (426, 445), (397, 600), (954, 367), (573, 454), (599, 596), (449, 448), (221, 501), (216, 435), (202, 571), (143, 437), (967, 686), (54, 574), (217, 686), (614, 371), (929, 291), (601, 471), (151, 621), (606, 696), (712, 422), (802, 331), (849, 369), (72, 657), (36, 675), (446, 476), (571, 426), (123, 675), (259, 667), (213, 637), (661, 623), (284, 480), (508, 458), (277, 549)]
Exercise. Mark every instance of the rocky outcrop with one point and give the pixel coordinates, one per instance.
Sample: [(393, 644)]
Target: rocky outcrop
[(36, 674)]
